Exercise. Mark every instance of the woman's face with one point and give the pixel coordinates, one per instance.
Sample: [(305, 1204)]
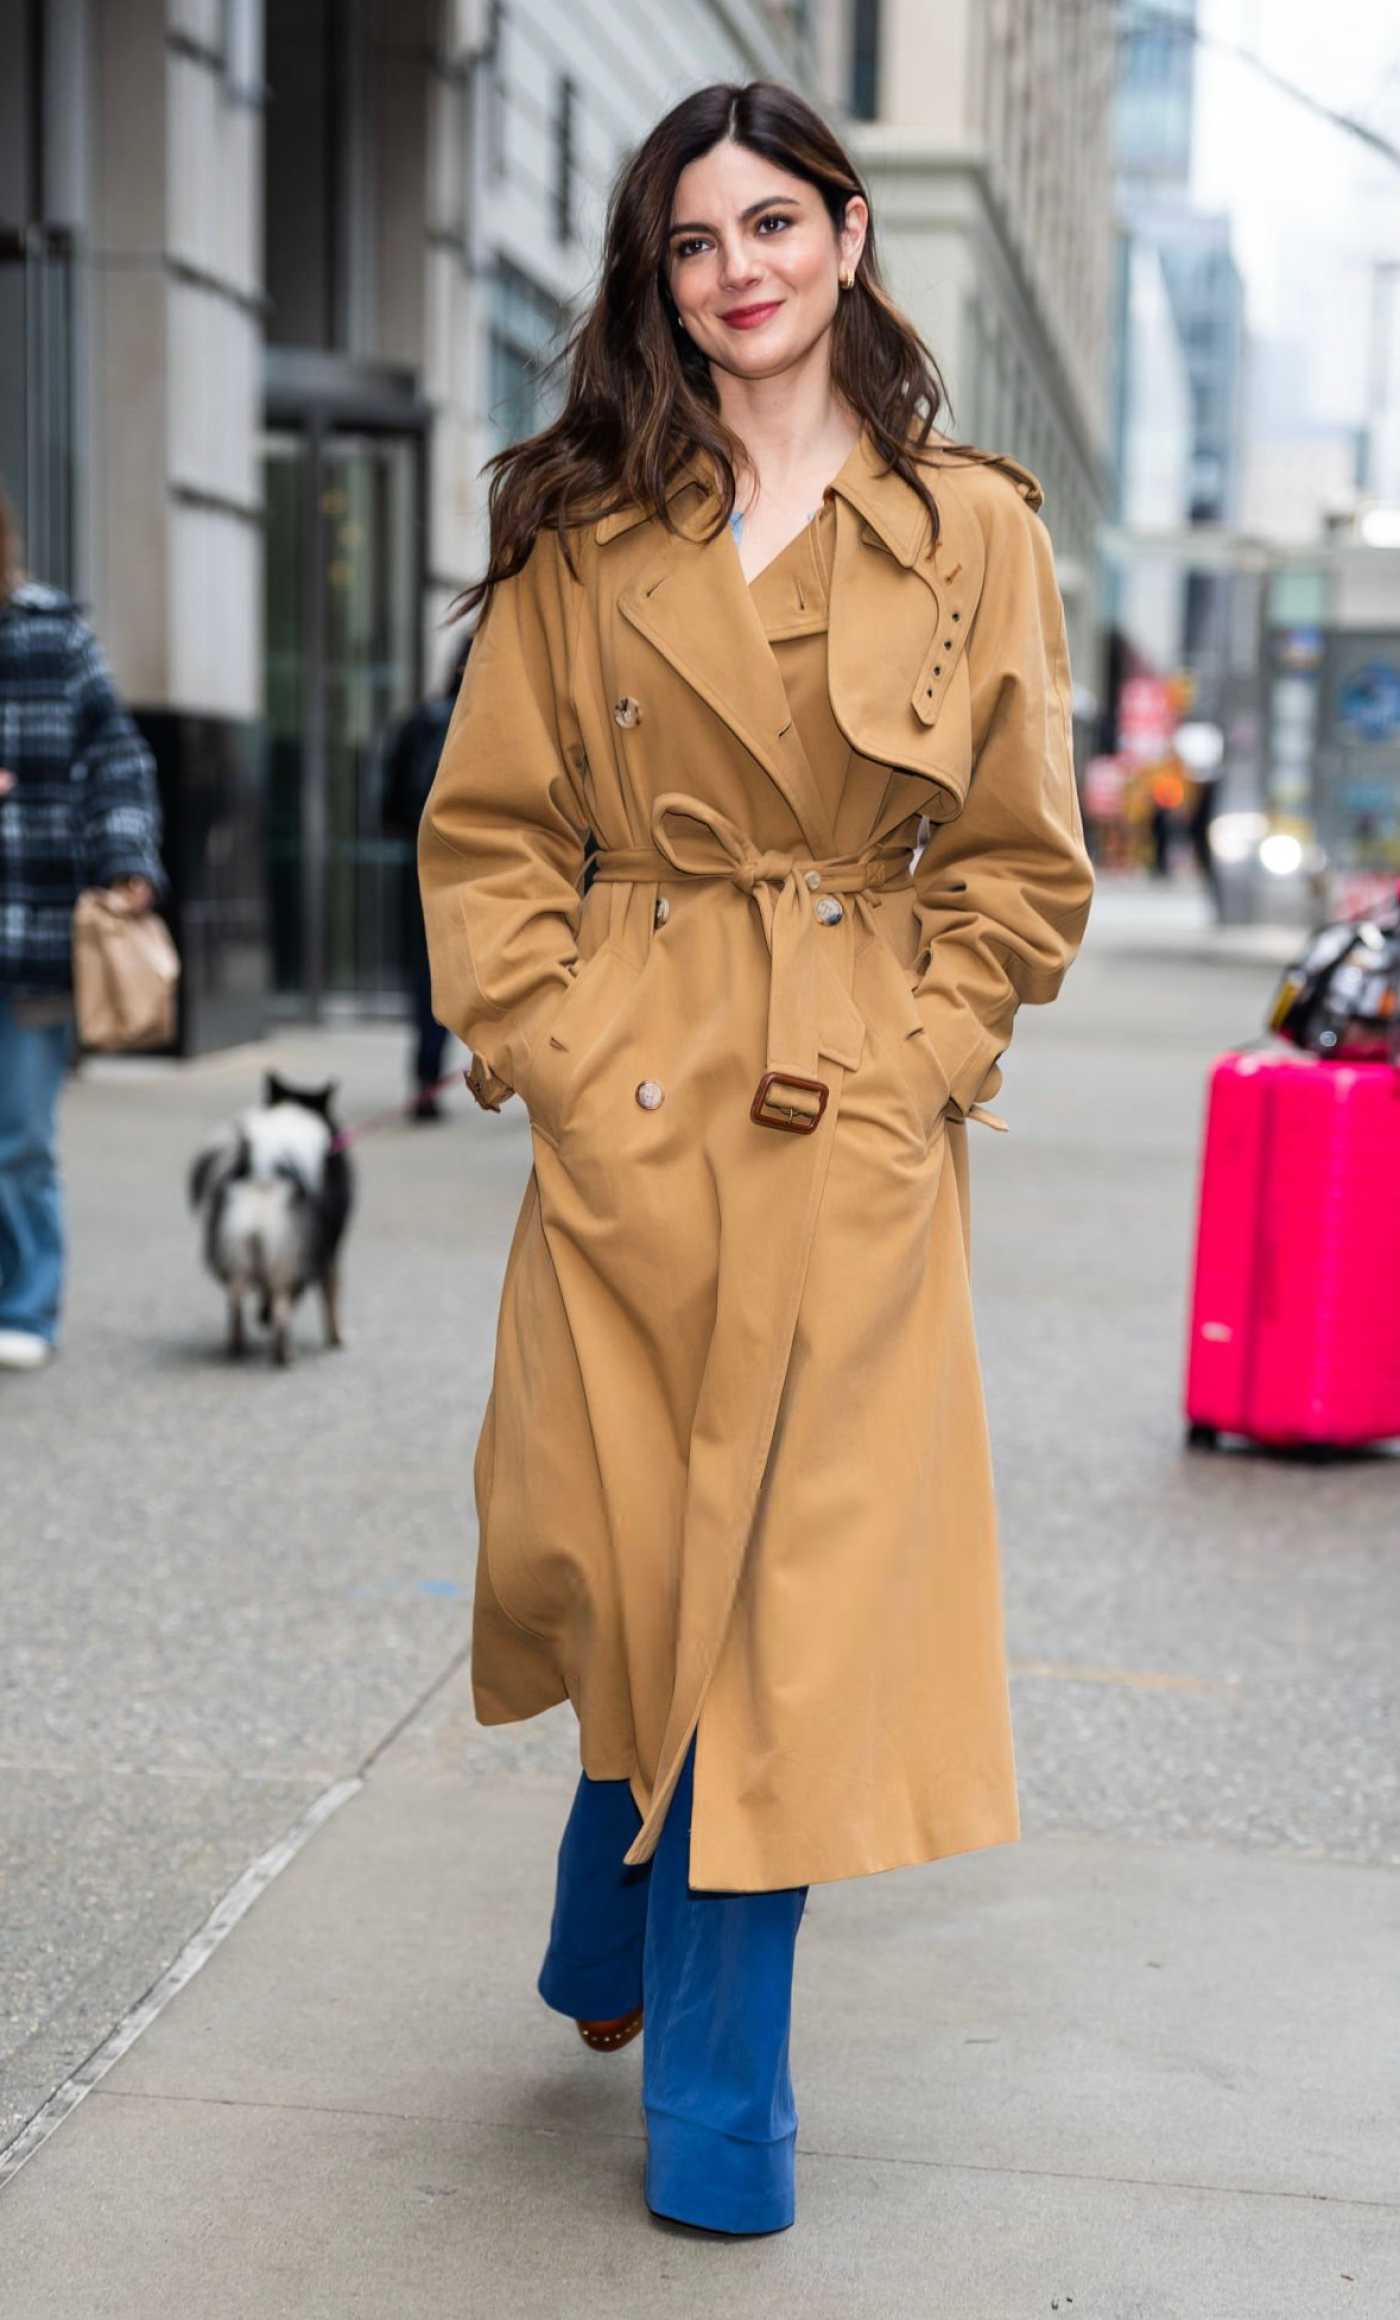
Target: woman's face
[(753, 262)]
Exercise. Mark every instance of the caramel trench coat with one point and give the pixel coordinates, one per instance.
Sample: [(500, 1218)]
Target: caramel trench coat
[(733, 1478)]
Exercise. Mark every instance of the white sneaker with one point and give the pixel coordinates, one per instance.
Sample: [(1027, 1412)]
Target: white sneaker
[(21, 1349)]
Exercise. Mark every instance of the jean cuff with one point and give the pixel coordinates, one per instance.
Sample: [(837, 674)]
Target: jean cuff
[(592, 1989), (699, 2175)]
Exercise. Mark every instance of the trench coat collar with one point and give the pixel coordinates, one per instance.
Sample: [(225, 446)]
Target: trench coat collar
[(882, 497)]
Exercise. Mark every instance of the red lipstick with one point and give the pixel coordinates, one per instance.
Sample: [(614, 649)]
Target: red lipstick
[(748, 317)]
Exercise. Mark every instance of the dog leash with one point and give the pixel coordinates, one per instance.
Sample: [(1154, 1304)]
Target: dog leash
[(345, 1137)]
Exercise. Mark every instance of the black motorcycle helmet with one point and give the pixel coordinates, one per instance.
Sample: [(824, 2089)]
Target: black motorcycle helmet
[(1341, 996)]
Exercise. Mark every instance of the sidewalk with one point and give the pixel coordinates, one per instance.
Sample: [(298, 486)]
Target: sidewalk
[(1171, 919), (1110, 2080)]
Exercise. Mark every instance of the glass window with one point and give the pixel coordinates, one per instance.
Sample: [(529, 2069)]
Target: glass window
[(304, 139), (243, 51), (526, 327), (341, 605), (36, 397), (497, 96), (865, 59)]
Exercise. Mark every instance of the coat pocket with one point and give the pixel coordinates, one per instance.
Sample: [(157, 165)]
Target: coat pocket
[(919, 1062), (914, 1057), (918, 1050), (558, 1065)]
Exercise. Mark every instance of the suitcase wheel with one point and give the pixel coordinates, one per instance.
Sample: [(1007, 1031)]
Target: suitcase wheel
[(1200, 1437)]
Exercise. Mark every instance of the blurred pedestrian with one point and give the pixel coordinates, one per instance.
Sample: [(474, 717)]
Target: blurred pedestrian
[(1205, 801), (78, 808), (1168, 792), (748, 618), (413, 760)]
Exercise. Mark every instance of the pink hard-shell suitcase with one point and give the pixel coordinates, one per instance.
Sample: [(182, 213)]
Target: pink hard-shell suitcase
[(1295, 1322)]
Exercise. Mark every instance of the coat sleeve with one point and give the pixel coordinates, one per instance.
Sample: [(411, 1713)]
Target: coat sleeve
[(501, 842), (118, 810), (1003, 890)]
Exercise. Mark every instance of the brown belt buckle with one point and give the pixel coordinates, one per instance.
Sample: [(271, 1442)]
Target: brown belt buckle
[(793, 1122)]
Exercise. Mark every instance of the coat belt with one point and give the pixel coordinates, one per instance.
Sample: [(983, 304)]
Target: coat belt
[(810, 1009)]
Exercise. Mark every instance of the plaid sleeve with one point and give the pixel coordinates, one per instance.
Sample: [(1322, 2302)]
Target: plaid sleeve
[(118, 805)]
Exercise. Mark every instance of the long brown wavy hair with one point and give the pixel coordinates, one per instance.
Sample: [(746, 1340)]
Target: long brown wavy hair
[(640, 399)]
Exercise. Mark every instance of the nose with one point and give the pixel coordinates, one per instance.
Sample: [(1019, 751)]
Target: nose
[(737, 266)]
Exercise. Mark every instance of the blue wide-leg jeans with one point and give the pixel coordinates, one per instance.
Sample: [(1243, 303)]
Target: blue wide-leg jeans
[(32, 1062), (713, 1973)]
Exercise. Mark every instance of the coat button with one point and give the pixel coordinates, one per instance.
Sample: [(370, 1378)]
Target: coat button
[(650, 1094), (829, 910), (663, 910), (627, 711), (814, 879)]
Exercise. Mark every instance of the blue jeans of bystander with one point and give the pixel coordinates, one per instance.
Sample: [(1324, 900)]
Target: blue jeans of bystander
[(32, 1061)]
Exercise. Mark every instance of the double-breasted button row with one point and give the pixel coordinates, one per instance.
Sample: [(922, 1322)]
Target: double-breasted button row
[(650, 1094)]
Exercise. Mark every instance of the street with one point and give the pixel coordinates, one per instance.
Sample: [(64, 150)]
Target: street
[(1141, 2063)]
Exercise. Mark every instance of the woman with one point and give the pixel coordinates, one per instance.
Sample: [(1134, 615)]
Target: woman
[(747, 622), (78, 807)]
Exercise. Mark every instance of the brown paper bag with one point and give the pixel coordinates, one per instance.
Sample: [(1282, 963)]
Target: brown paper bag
[(126, 974)]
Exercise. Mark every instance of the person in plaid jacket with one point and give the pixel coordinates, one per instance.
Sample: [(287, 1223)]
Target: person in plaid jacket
[(78, 808)]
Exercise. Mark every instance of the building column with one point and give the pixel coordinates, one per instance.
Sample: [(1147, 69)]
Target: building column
[(174, 488)]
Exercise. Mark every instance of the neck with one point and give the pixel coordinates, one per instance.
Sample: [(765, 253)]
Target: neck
[(793, 427)]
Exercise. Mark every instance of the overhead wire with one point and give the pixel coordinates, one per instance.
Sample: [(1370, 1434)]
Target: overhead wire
[(1137, 15)]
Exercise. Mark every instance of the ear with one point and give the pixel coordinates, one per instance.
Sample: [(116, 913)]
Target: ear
[(324, 1098), (273, 1090), (850, 240)]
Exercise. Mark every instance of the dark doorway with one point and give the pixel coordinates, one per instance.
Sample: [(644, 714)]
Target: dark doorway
[(344, 588)]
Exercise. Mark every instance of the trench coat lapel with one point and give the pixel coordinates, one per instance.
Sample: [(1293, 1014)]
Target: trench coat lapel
[(693, 604)]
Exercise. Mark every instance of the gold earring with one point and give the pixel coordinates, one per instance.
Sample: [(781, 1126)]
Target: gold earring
[(845, 278)]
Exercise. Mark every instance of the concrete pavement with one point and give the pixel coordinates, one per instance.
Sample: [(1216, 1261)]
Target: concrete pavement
[(1141, 2063)]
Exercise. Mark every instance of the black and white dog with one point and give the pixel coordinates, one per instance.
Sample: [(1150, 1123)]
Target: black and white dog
[(275, 1191)]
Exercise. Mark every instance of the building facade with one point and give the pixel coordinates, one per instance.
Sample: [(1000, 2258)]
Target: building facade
[(279, 276), (988, 151), (276, 276), (1171, 617)]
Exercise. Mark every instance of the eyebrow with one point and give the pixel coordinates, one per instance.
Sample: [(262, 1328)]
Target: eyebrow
[(774, 201)]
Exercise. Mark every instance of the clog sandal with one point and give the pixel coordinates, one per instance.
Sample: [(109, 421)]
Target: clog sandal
[(606, 2037)]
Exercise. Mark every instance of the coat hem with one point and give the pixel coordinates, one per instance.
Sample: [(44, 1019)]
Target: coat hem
[(919, 1856), (490, 1711)]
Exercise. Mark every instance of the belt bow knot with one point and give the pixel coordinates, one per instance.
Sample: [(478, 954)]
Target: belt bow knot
[(810, 1009)]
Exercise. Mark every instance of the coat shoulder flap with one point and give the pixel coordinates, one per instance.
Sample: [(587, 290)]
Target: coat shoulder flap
[(966, 461)]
